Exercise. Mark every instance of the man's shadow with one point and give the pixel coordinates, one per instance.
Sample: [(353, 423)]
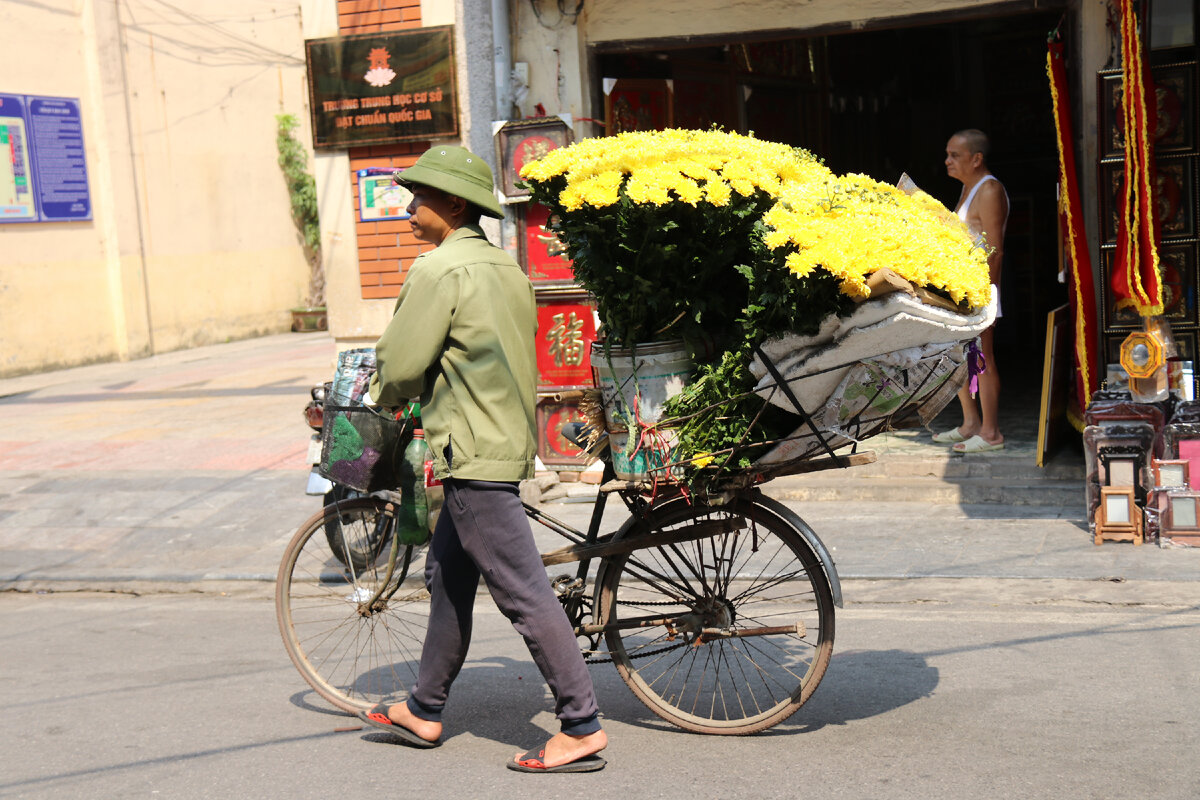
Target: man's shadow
[(498, 698)]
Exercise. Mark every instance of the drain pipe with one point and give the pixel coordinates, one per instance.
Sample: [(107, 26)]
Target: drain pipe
[(502, 64), (502, 58)]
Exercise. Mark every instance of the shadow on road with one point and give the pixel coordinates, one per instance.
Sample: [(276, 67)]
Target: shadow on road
[(861, 684)]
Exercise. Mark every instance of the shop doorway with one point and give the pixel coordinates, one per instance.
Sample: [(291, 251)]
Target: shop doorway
[(885, 102)]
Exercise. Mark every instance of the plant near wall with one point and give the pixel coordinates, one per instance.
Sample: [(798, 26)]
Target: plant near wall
[(302, 190)]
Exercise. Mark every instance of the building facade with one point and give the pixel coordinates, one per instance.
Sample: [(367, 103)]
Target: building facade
[(190, 240), (185, 235)]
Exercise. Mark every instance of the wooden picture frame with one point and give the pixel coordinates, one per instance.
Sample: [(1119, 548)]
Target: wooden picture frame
[(1121, 469), (637, 104), (1125, 319), (1175, 94), (1175, 112), (1111, 139), (1117, 434), (1174, 197), (1178, 265), (1110, 182), (1170, 473), (1181, 442), (1185, 349), (1118, 517), (554, 450), (1112, 347), (1056, 383), (1185, 345), (1181, 517), (519, 142), (1181, 299), (566, 330)]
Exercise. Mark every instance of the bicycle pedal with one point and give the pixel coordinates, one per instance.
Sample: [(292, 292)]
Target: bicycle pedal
[(567, 586)]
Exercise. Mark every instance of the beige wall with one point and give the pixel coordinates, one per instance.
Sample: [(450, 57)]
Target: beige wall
[(191, 240), (353, 320), (556, 57), (617, 20)]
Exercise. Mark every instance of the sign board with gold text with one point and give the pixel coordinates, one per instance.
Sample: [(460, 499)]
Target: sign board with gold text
[(378, 88)]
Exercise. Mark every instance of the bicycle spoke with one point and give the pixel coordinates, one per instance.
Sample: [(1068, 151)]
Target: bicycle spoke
[(354, 656), (657, 579), (711, 679)]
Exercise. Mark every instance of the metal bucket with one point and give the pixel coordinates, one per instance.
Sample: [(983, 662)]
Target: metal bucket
[(634, 385)]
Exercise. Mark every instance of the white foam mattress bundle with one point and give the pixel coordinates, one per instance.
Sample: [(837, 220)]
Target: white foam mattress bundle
[(857, 371)]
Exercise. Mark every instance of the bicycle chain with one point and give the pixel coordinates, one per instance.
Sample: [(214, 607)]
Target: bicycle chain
[(666, 649), (609, 659)]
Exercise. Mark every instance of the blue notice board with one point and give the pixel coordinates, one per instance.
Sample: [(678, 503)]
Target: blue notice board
[(43, 167)]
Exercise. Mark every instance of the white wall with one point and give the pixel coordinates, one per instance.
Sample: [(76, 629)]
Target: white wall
[(555, 52)]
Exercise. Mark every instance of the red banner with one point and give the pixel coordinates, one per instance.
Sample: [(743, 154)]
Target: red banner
[(545, 256), (1083, 301), (566, 330), (1136, 281)]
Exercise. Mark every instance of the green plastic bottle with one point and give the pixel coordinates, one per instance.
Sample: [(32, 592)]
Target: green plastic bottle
[(413, 515)]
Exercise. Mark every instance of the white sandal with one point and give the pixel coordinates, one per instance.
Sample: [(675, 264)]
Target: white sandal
[(977, 444), (951, 436)]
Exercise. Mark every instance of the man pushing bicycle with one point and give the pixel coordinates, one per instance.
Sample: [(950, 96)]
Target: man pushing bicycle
[(462, 341)]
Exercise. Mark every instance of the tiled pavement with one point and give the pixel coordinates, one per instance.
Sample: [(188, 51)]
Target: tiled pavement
[(189, 468)]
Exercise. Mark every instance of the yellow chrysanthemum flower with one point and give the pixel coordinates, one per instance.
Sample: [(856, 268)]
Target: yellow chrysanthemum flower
[(717, 192), (853, 225), (848, 226)]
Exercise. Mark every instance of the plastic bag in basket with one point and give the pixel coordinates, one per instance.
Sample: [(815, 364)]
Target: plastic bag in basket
[(361, 448)]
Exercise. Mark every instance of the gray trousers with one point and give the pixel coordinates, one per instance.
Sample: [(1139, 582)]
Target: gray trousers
[(483, 531)]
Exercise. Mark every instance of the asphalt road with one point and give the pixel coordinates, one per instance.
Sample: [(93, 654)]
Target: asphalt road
[(938, 689)]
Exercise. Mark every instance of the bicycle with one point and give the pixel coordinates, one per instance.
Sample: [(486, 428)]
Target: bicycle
[(717, 611), (720, 618)]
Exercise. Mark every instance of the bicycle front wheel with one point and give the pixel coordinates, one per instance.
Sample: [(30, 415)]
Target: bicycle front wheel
[(355, 645), (725, 634)]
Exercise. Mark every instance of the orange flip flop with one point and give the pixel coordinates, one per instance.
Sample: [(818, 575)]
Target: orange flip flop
[(532, 762), (378, 717)]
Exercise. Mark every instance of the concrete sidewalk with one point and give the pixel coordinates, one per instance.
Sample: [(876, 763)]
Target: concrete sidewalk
[(188, 470)]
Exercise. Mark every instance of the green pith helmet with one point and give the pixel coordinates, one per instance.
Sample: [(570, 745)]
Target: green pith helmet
[(456, 171)]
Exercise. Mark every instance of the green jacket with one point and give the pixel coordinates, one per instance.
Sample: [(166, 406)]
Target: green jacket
[(462, 340)]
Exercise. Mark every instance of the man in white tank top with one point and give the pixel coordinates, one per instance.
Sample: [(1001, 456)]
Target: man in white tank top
[(983, 206)]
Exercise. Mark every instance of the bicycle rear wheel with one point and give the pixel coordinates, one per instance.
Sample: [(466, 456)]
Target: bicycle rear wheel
[(726, 634), (352, 652)]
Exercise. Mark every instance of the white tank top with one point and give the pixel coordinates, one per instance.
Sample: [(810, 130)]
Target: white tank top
[(966, 206), (962, 214)]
